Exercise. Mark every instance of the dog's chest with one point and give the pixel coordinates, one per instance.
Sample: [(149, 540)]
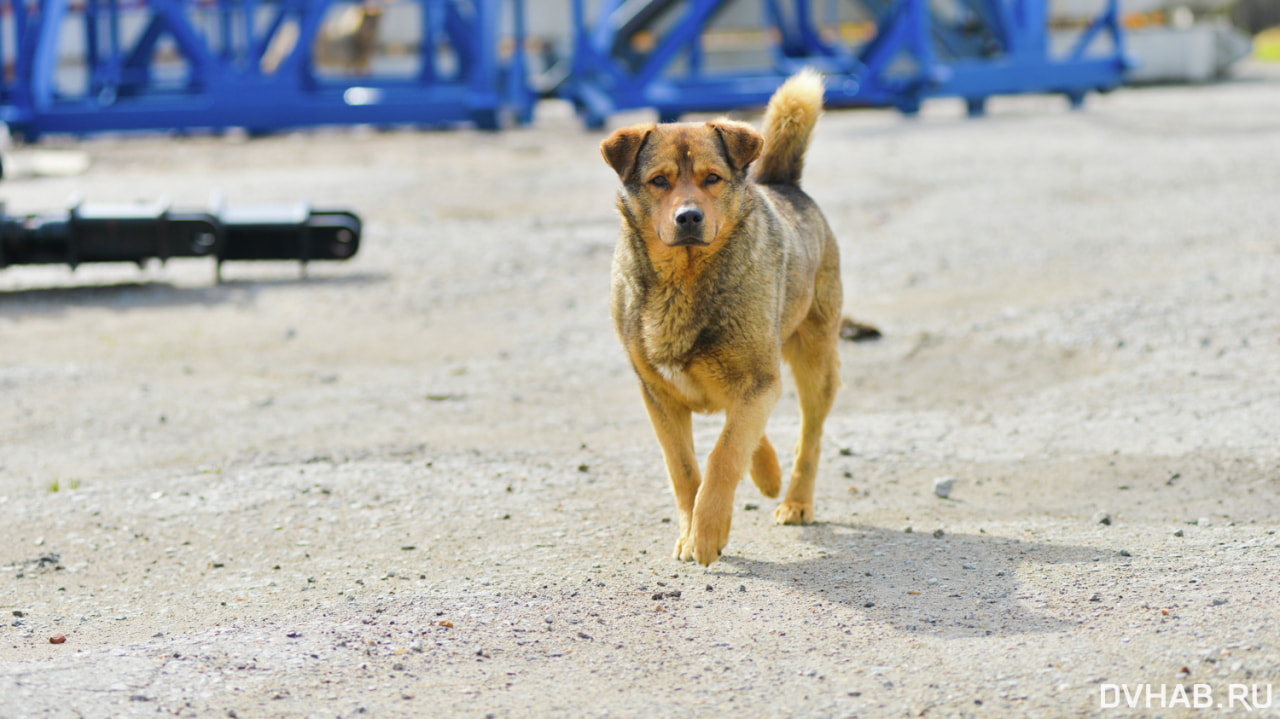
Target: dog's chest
[(685, 384)]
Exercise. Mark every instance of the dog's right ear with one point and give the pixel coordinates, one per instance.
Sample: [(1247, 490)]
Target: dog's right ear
[(622, 148)]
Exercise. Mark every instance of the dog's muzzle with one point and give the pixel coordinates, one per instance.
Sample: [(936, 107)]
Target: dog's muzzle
[(689, 223)]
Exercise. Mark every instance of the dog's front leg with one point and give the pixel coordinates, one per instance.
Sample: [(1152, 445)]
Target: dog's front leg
[(672, 423), (744, 425)]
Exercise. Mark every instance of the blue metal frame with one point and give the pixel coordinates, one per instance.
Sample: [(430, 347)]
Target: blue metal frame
[(942, 59), (223, 83)]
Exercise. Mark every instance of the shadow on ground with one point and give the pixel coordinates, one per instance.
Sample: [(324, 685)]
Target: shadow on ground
[(949, 585), (125, 296)]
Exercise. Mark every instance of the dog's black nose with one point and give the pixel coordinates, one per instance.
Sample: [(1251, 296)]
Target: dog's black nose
[(688, 217)]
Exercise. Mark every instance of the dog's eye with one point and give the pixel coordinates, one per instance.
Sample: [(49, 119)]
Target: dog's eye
[(712, 179), (659, 181)]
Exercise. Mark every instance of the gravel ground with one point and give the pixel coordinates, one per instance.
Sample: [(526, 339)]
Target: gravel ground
[(422, 484)]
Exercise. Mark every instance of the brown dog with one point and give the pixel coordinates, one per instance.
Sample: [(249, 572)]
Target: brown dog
[(724, 268)]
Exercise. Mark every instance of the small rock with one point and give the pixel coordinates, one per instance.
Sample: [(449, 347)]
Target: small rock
[(1095, 598), (1204, 522), (750, 507), (18, 613), (549, 619), (908, 530), (1125, 553), (1102, 518), (1179, 533), (397, 667), (57, 639), (967, 566), (1219, 602), (584, 635), (942, 486), (933, 580), (710, 588), (938, 534), (742, 587)]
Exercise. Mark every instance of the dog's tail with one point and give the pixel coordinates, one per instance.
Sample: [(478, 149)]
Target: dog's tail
[(788, 122)]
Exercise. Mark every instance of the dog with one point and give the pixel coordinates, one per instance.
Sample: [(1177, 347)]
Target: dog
[(724, 268)]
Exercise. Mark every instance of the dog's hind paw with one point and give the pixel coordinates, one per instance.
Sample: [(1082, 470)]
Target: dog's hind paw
[(788, 513)]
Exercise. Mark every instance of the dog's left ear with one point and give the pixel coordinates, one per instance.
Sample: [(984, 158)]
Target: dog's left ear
[(622, 148), (741, 141)]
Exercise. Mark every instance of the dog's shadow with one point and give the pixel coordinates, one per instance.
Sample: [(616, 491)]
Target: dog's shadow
[(127, 296), (953, 585)]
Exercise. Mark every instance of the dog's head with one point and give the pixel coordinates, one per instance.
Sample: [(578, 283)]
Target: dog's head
[(683, 182)]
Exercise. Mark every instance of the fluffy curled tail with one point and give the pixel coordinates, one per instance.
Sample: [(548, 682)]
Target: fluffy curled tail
[(788, 122)]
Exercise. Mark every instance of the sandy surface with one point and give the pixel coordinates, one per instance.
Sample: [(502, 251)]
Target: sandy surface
[(421, 483)]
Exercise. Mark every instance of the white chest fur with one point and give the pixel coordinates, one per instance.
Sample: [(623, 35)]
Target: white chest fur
[(684, 384)]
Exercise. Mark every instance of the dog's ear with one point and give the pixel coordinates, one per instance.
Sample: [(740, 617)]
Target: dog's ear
[(622, 148), (741, 141)]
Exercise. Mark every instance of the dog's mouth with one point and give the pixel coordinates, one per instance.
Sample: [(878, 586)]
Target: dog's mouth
[(689, 241)]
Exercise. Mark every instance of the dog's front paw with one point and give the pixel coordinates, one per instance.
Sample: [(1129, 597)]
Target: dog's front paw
[(789, 513), (708, 538), (684, 548)]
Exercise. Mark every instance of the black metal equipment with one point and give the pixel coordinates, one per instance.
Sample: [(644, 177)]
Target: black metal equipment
[(137, 233)]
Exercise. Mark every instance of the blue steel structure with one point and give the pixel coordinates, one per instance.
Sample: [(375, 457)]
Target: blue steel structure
[(222, 79), (203, 64), (978, 49)]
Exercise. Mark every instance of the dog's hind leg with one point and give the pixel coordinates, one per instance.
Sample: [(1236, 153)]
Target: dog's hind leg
[(672, 423), (765, 471), (815, 361)]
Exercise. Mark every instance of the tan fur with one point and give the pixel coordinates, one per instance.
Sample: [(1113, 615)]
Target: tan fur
[(788, 123), (717, 278)]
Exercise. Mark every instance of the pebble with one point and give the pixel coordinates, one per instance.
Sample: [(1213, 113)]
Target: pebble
[(1125, 553), (938, 534), (1102, 518), (1204, 522), (750, 507), (1179, 533), (57, 639), (549, 619), (942, 486)]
